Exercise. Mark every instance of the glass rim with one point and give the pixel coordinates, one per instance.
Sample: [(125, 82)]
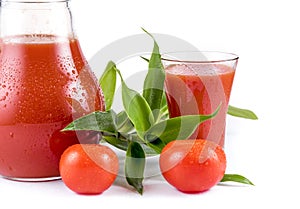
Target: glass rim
[(224, 57)]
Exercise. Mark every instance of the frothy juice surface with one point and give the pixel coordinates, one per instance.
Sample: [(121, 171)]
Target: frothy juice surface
[(200, 89), (45, 83)]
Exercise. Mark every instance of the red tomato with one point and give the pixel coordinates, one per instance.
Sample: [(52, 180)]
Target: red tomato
[(88, 168), (192, 166)]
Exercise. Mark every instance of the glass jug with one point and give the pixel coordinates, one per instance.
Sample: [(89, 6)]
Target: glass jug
[(45, 83)]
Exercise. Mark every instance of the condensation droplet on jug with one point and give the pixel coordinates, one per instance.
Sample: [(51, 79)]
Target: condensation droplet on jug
[(2, 98), (11, 134)]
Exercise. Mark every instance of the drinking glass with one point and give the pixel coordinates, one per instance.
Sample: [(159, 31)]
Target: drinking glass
[(197, 83)]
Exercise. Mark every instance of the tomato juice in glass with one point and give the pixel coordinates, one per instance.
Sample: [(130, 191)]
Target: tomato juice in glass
[(197, 84), (45, 83)]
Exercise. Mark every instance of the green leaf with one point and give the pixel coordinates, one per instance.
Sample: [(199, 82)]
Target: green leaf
[(137, 109), (124, 124), (116, 142), (144, 58), (164, 111), (176, 128), (154, 81), (242, 113), (157, 145), (236, 178), (96, 121), (135, 166), (149, 151), (164, 101), (108, 84)]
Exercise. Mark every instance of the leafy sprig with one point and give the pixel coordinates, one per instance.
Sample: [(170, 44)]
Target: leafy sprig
[(143, 127)]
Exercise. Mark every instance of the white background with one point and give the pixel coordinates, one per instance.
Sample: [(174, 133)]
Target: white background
[(266, 37)]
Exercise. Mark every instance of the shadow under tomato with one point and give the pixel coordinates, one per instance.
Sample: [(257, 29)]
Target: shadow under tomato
[(231, 184)]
